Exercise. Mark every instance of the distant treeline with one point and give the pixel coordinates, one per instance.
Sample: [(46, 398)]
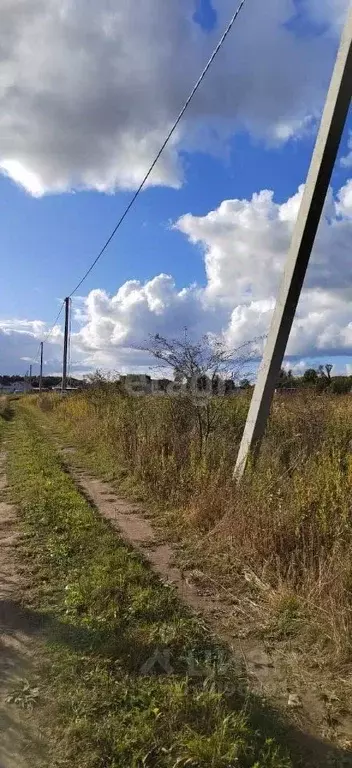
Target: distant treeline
[(320, 379)]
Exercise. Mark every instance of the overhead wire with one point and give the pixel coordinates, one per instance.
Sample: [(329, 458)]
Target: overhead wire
[(54, 323), (153, 164), (45, 338), (165, 142)]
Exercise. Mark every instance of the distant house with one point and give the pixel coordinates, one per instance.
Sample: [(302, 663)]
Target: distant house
[(160, 386), (136, 383), (19, 387)]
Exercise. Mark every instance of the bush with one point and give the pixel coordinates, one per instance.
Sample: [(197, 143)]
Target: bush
[(341, 385)]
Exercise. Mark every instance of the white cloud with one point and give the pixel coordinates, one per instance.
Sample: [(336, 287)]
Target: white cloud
[(330, 12), (244, 244), (137, 310), (344, 205), (19, 341), (33, 327), (19, 345), (88, 90), (346, 161), (241, 239)]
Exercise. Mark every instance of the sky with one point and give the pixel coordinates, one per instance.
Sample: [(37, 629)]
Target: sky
[(88, 92)]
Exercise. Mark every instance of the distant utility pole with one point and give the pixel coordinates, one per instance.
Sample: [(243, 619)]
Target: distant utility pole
[(64, 362), (30, 376), (41, 366), (318, 179)]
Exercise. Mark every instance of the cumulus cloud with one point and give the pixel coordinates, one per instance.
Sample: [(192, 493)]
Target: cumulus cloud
[(114, 328), (88, 89), (346, 161), (244, 245), (19, 341), (240, 239)]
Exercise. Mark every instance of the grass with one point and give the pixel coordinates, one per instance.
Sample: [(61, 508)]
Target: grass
[(5, 408), (282, 537), (131, 678)]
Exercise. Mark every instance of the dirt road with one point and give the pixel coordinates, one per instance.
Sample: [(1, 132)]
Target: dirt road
[(267, 672), (19, 641)]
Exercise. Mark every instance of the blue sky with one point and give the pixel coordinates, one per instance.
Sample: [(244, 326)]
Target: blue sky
[(53, 239), (232, 145)]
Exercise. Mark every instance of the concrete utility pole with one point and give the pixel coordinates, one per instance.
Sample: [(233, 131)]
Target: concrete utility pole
[(64, 362), (30, 377), (318, 179), (41, 366)]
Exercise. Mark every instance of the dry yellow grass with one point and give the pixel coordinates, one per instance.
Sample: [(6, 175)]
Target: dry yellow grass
[(289, 522)]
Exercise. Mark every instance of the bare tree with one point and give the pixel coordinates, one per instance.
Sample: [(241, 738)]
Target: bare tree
[(325, 371), (207, 357), (205, 368)]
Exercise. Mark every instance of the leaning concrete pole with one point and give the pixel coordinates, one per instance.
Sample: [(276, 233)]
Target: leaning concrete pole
[(318, 179)]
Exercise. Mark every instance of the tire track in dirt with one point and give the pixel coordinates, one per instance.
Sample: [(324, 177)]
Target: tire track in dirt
[(266, 673), (19, 644)]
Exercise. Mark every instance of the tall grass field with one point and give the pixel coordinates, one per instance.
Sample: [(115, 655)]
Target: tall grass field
[(285, 530)]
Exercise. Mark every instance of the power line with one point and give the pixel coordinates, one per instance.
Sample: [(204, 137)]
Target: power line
[(50, 331), (167, 139), (54, 323), (151, 168)]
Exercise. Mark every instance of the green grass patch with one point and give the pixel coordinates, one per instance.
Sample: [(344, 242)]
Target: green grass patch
[(132, 679)]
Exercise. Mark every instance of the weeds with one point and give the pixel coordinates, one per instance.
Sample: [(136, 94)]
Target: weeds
[(132, 679), (24, 695), (290, 519)]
